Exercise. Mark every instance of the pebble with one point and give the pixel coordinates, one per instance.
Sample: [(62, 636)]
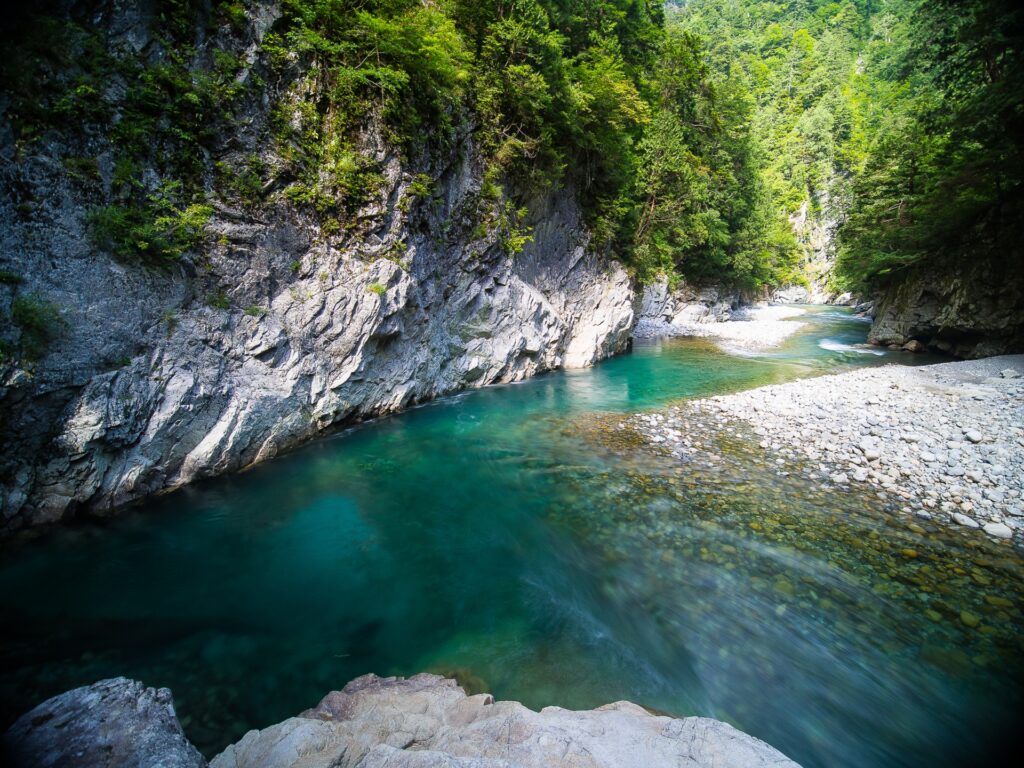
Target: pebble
[(999, 530), (964, 520), (998, 602), (914, 436), (969, 619)]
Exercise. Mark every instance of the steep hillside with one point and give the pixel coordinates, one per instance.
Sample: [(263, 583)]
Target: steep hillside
[(889, 133), (192, 282)]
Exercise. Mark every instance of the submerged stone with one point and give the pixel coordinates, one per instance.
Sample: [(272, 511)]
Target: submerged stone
[(998, 602)]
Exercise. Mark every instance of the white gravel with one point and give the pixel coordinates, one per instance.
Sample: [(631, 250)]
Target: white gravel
[(942, 441), (753, 328)]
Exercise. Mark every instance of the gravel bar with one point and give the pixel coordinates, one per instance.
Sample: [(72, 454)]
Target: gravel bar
[(945, 442), (749, 329)]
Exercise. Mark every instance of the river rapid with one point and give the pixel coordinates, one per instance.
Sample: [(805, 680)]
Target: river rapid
[(505, 537)]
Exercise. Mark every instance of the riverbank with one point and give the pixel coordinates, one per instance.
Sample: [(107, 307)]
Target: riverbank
[(942, 442), (424, 721), (754, 328)]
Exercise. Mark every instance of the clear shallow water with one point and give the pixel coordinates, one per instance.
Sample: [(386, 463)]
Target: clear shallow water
[(502, 537)]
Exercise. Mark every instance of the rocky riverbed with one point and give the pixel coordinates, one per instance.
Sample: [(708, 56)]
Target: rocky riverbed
[(945, 442), (424, 721)]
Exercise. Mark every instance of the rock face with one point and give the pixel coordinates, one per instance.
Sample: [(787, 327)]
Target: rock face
[(332, 334), (815, 225), (428, 722), (973, 310), (798, 294), (424, 721), (116, 723), (661, 311), (280, 328)]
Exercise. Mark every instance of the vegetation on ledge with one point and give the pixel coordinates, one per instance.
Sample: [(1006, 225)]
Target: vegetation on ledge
[(692, 131)]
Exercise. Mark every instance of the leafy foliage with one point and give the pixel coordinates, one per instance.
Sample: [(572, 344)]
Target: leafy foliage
[(799, 63), (38, 322), (703, 211), (161, 115), (903, 116), (401, 59), (692, 134), (158, 232), (944, 177)]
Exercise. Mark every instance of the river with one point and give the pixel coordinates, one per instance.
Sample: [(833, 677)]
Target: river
[(493, 536)]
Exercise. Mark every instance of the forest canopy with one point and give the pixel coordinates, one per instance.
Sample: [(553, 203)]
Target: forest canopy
[(705, 138), (901, 120)]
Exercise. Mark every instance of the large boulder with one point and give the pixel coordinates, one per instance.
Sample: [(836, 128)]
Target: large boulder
[(117, 723), (427, 721)]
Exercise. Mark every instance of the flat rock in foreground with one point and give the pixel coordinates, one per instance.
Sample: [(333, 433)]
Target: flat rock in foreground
[(423, 721), (427, 721), (117, 723)]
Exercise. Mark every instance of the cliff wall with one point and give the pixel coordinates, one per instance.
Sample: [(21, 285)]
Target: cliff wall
[(967, 309), (280, 325)]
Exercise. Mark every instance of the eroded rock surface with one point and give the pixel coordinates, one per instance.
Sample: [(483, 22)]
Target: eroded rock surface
[(281, 328), (427, 721), (117, 723), (663, 311), (973, 310)]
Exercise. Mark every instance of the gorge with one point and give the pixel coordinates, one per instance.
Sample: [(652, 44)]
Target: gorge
[(350, 338)]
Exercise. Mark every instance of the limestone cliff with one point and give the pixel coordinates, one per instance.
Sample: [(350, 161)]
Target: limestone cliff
[(281, 325)]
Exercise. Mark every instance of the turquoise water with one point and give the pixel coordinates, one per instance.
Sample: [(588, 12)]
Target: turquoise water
[(498, 536)]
